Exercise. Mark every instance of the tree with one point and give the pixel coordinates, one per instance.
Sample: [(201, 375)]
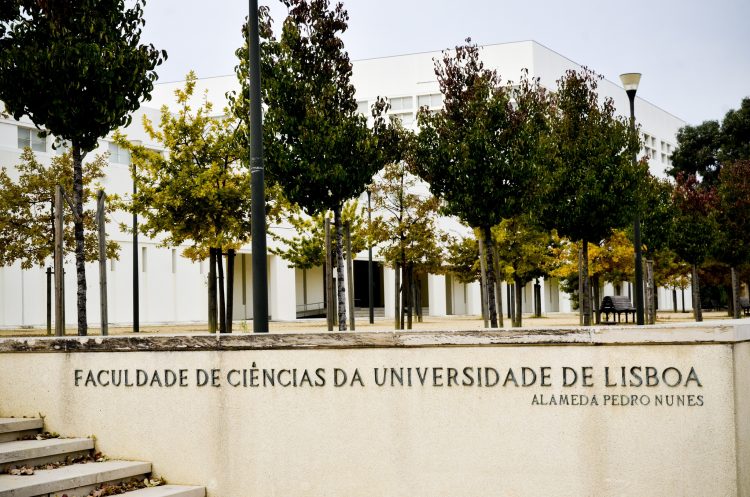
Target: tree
[(27, 226), (406, 233), (524, 253), (672, 272), (733, 221), (197, 192), (593, 177), (735, 134), (704, 149), (305, 248), (462, 259), (611, 260), (317, 147), (481, 154), (697, 152), (77, 70), (694, 230)]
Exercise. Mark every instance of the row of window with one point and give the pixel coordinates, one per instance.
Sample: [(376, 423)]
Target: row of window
[(403, 108), (30, 137), (664, 153)]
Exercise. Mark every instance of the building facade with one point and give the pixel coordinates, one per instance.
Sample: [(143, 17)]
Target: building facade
[(173, 289)]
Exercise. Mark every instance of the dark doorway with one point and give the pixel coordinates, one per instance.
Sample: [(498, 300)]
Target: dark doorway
[(361, 296)]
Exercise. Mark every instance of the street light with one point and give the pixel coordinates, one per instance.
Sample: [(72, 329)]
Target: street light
[(630, 83), (257, 174), (370, 285)]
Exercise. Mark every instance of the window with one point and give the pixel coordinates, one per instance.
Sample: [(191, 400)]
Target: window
[(406, 118), (363, 108), (112, 265), (433, 101), (174, 261), (28, 137), (401, 103), (143, 259), (118, 155)]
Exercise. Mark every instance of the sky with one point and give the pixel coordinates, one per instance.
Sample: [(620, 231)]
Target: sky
[(694, 54)]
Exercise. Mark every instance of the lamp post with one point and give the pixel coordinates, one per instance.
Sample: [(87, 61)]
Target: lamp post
[(369, 260), (630, 83), (136, 291), (257, 189)]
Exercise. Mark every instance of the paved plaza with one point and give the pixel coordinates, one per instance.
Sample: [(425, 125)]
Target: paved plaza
[(381, 324)]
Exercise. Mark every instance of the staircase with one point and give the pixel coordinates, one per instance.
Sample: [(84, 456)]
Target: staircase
[(364, 312), (20, 447)]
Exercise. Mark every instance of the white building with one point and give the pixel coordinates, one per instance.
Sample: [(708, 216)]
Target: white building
[(173, 289)]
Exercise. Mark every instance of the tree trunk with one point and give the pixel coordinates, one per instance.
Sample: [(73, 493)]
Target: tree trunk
[(350, 277), (329, 276), (397, 303), (230, 289), (212, 290), (735, 294), (586, 304), (509, 292), (537, 299), (405, 289), (695, 285), (418, 299), (100, 219), (488, 252), (580, 287), (59, 270), (483, 282), (597, 307), (518, 322), (682, 290), (78, 234), (409, 295), (498, 286), (340, 283), (650, 293), (674, 298), (222, 302)]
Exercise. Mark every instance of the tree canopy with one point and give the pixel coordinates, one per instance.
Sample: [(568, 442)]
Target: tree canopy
[(733, 213), (27, 229), (317, 147), (482, 154), (594, 179), (702, 150), (77, 70), (195, 191)]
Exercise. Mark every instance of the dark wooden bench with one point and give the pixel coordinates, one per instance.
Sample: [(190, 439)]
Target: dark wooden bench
[(711, 305), (617, 305), (745, 305)]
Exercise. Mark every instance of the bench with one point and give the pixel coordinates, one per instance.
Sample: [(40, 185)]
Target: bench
[(710, 304), (745, 305), (617, 305)]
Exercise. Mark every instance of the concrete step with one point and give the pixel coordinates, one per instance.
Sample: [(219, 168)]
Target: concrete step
[(15, 428), (76, 480), (168, 491), (37, 452), (363, 312)]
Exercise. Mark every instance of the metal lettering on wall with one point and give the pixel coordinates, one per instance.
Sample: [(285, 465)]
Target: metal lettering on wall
[(575, 386)]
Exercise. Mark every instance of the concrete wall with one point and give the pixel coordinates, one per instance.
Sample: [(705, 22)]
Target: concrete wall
[(381, 436)]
